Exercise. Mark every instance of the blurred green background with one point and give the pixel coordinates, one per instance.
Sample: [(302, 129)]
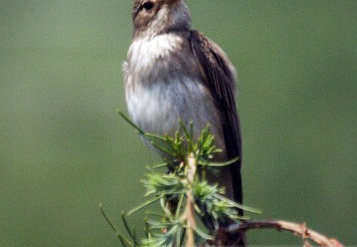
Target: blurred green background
[(64, 149)]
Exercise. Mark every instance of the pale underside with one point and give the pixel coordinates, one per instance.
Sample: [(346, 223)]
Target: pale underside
[(163, 84), (160, 91)]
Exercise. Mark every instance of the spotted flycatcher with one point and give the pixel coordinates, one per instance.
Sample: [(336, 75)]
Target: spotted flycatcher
[(173, 72)]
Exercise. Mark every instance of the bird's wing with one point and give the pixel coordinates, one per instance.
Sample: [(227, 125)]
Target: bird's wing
[(219, 77)]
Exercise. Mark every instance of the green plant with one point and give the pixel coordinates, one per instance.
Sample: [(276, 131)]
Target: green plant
[(184, 195)]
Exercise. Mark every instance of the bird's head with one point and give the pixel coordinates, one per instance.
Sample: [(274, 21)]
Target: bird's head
[(152, 17)]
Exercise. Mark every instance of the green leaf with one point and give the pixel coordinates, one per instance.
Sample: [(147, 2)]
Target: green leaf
[(202, 234), (145, 204), (237, 205), (124, 241), (141, 132), (222, 164)]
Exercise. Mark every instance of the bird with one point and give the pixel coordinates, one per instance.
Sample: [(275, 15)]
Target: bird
[(173, 73)]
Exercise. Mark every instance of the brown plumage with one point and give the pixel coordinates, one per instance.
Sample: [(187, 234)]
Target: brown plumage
[(173, 72)]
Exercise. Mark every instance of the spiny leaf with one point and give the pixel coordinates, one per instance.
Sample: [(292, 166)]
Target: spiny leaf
[(145, 204), (124, 241)]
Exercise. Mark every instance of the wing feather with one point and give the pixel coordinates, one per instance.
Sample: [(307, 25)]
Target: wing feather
[(220, 80)]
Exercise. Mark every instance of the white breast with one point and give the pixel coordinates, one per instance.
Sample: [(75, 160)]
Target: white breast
[(144, 52), (156, 103)]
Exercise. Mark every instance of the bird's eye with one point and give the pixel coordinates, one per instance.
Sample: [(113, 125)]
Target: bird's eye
[(148, 5)]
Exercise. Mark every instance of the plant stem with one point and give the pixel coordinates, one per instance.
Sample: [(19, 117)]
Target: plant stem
[(298, 229), (189, 210)]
